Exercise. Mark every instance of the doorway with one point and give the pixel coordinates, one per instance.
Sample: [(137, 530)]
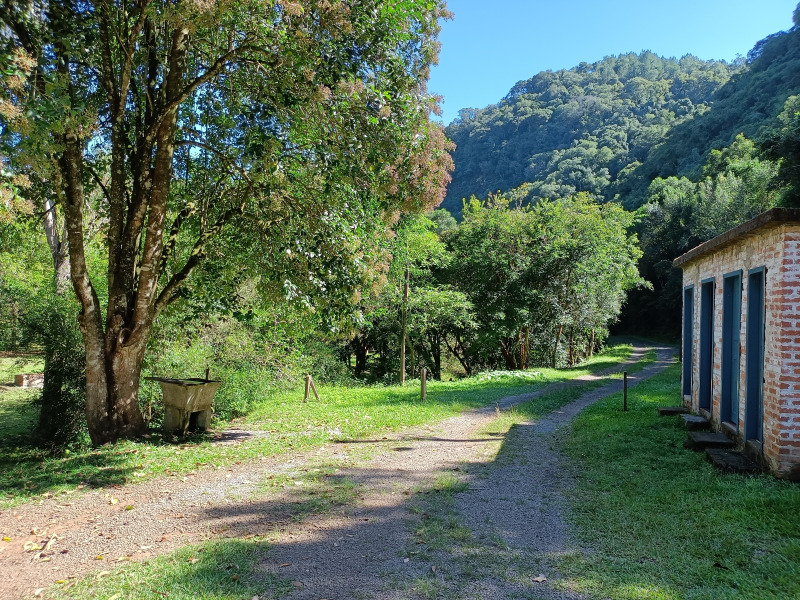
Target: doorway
[(706, 343), (731, 327), (754, 361)]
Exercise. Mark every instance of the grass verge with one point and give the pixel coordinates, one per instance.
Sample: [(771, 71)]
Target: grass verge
[(458, 564), (280, 424), (220, 570), (223, 569), (661, 523)]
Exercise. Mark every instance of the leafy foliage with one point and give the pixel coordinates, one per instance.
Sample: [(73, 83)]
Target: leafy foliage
[(739, 182), (436, 314), (289, 135), (539, 276)]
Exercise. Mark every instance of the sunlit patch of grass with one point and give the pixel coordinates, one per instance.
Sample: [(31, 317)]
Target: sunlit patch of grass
[(661, 522), (314, 490), (220, 570), (13, 365)]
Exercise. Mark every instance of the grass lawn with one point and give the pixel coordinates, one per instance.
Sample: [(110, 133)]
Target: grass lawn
[(18, 413), (219, 570), (661, 523), (289, 424)]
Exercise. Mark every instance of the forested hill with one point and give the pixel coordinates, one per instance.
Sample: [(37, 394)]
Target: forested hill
[(579, 129), (610, 127), (749, 103)]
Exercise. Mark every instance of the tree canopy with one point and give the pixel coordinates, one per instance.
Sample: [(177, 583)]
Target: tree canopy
[(283, 135)]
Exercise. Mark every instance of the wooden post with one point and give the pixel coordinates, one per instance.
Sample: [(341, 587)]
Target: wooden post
[(308, 386), (625, 391), (403, 334), (313, 387), (423, 384), (207, 373)]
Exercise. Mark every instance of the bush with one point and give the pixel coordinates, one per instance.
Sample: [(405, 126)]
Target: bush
[(252, 357), (51, 323)]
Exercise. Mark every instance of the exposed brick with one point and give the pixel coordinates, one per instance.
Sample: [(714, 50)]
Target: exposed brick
[(776, 247)]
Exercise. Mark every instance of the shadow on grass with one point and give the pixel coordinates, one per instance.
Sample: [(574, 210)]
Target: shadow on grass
[(360, 552), (661, 522), (27, 470)]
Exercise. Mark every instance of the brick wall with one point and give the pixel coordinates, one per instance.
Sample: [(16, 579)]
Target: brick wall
[(777, 248), (788, 401)]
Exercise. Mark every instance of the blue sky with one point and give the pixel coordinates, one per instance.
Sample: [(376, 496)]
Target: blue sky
[(492, 44)]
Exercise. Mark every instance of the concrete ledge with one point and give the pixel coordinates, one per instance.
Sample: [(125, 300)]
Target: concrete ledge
[(670, 411), (695, 422), (729, 429), (730, 461), (700, 440)]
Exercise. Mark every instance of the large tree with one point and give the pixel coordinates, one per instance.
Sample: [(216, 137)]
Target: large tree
[(304, 125)]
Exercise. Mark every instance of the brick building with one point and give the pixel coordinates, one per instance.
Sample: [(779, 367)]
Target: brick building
[(741, 336)]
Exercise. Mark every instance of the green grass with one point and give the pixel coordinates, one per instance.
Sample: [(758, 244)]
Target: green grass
[(12, 365), (18, 412), (287, 424), (543, 405), (661, 523), (441, 538), (220, 570), (204, 571)]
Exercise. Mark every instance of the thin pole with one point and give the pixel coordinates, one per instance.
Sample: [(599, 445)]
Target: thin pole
[(423, 392), (403, 335), (625, 391)]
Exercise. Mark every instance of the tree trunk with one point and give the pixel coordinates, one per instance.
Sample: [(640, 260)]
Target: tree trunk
[(412, 354), (112, 410), (509, 355), (555, 346), (524, 338), (436, 350), (571, 351), (360, 347), (59, 249), (457, 350), (403, 330)]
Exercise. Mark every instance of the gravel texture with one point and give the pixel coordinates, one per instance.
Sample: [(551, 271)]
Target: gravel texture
[(360, 551)]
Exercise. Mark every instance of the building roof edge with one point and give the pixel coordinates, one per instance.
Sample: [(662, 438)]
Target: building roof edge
[(774, 216)]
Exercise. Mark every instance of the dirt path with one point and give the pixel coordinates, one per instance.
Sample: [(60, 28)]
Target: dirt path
[(360, 552)]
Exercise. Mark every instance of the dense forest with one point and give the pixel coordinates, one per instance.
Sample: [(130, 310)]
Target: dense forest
[(694, 147), (578, 130), (609, 128)]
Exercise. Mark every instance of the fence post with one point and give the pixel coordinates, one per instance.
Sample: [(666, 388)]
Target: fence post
[(423, 384), (308, 386), (625, 391)]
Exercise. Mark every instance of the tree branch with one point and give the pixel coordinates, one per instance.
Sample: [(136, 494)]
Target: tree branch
[(170, 291)]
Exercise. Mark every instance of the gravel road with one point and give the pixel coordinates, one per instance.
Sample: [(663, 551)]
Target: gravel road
[(514, 500)]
